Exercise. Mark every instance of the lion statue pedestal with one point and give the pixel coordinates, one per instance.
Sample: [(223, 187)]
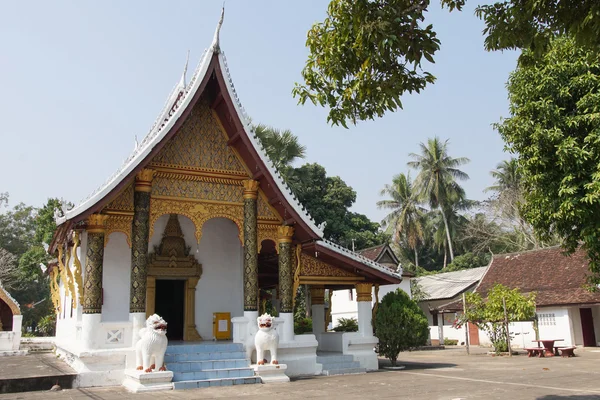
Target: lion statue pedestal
[(267, 339), (151, 373)]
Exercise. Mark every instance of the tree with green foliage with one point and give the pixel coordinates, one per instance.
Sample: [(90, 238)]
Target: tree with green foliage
[(367, 53), (328, 199), (400, 324), (437, 177), (282, 147), (489, 315), (23, 232), (406, 213), (555, 130), (468, 261)]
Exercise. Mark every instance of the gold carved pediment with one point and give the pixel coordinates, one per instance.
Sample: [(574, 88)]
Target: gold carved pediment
[(311, 266)]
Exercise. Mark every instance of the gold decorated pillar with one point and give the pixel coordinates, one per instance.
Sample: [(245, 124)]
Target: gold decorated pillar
[(286, 277), (250, 246), (140, 230), (92, 294), (190, 333), (317, 305), (363, 301)]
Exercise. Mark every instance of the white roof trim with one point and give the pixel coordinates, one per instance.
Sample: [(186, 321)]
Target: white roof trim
[(361, 259), (281, 185), (9, 296), (164, 123)]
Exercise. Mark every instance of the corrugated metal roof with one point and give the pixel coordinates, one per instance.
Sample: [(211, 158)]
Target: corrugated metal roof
[(449, 284)]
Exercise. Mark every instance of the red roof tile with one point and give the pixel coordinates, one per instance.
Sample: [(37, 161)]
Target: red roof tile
[(372, 253), (557, 279)]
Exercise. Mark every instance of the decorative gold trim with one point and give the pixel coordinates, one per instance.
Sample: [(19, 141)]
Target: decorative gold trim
[(143, 180), (77, 265), (312, 266), (250, 189), (317, 295), (202, 201), (63, 270), (363, 291), (54, 289), (119, 223), (376, 306), (199, 171), (330, 280), (71, 279), (14, 308), (199, 178), (298, 260), (96, 223), (267, 232), (285, 233), (198, 212)]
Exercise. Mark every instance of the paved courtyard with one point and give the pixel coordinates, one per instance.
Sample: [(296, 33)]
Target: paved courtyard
[(443, 374)]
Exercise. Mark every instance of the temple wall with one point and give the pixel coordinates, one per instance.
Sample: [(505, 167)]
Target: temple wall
[(220, 288), (116, 277)]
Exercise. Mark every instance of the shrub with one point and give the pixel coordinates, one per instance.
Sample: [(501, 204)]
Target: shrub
[(302, 325), (399, 324), (346, 325), (46, 325), (450, 342)]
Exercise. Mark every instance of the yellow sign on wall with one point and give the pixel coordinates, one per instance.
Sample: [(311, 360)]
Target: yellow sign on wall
[(222, 326)]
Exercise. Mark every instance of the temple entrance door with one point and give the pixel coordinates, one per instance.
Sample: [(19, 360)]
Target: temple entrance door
[(170, 297)]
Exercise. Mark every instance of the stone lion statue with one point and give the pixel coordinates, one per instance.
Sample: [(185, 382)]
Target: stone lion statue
[(152, 345), (265, 339)]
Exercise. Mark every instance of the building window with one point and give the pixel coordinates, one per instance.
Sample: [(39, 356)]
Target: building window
[(435, 319), (350, 296), (546, 319)]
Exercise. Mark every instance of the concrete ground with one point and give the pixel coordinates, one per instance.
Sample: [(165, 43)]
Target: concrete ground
[(443, 374)]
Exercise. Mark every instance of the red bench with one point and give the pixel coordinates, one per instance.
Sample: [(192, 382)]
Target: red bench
[(567, 351), (535, 351)]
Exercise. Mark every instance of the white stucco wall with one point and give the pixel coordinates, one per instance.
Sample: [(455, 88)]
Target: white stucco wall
[(344, 306), (116, 278), (220, 288), (559, 323)]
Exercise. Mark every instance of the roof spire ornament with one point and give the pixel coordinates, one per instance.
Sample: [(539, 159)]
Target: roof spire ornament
[(182, 81), (215, 43)]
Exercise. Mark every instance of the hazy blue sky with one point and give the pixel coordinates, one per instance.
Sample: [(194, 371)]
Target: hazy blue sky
[(80, 79)]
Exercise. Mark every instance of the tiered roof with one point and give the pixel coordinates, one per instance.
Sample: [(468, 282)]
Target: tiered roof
[(212, 73)]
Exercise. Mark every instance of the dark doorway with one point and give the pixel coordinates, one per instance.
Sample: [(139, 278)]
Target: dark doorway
[(169, 305), (587, 327)]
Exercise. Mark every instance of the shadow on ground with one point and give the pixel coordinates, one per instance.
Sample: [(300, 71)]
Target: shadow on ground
[(411, 365), (573, 397)]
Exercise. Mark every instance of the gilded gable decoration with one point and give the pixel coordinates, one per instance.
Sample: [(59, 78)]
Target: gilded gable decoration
[(55, 288), (200, 144), (267, 232), (193, 187), (312, 266), (124, 201)]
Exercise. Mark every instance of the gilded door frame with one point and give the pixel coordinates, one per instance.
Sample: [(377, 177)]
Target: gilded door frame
[(191, 277)]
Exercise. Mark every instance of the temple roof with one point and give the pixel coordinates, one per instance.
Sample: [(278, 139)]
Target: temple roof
[(9, 300), (212, 73)]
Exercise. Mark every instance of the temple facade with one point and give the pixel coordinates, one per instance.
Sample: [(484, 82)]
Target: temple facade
[(196, 226)]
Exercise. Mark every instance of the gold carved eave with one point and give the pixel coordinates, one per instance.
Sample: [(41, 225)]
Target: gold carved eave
[(327, 280), (118, 222), (311, 266)]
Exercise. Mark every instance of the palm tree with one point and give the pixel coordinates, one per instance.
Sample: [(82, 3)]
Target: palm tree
[(507, 176), (405, 215), (436, 182), (282, 147)]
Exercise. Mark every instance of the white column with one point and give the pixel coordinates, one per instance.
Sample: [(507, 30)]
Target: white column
[(90, 325), (138, 321), (363, 301), (17, 325), (318, 318), (287, 331)]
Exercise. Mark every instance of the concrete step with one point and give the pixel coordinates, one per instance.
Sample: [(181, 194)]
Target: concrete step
[(344, 371), (36, 346), (195, 384), (204, 348), (193, 366), (213, 374), (204, 356), (342, 365), (329, 359)]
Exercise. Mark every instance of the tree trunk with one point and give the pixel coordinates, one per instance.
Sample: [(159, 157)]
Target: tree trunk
[(445, 258), (416, 257), (307, 301), (447, 234)]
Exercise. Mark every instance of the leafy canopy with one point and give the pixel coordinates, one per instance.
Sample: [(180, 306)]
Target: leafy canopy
[(400, 324), (555, 129), (367, 53), (364, 56)]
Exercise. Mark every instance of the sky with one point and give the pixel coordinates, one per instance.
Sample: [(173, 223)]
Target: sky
[(80, 80)]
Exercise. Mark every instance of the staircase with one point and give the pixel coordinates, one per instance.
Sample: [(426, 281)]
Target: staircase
[(209, 364), (339, 364)]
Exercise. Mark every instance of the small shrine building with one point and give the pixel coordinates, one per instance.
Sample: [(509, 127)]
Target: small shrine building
[(193, 226)]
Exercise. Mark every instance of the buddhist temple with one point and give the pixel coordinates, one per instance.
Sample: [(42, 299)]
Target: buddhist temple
[(194, 225)]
